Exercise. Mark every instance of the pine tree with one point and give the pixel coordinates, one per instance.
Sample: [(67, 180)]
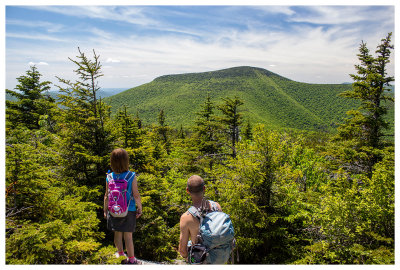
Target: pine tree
[(232, 120), (163, 126), (163, 130), (46, 220), (207, 129), (364, 129), (247, 132), (181, 133), (357, 222), (85, 123), (127, 129), (259, 190), (31, 101)]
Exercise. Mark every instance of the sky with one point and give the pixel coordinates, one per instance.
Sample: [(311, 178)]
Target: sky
[(310, 43)]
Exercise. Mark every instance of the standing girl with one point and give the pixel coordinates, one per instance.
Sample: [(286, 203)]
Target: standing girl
[(123, 227)]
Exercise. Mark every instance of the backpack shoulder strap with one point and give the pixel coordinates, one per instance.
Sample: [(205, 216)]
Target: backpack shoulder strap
[(193, 210), (196, 213), (109, 177), (214, 207), (129, 175)]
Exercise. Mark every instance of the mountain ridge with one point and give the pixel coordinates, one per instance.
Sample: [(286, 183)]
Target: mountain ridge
[(221, 73), (269, 98)]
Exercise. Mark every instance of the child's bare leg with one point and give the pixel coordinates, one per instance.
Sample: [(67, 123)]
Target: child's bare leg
[(118, 241), (129, 244)]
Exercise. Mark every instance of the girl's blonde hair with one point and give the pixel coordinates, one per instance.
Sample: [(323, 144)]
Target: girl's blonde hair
[(119, 160)]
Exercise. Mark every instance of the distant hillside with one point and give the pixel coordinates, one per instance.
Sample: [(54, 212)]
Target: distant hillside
[(268, 98), (103, 92)]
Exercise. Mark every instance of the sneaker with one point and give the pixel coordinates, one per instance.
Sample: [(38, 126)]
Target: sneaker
[(116, 254), (126, 261)]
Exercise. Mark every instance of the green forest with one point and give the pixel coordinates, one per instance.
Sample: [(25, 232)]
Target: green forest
[(270, 99), (295, 196)]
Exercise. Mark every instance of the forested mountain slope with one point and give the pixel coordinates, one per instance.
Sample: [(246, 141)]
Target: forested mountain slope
[(268, 98)]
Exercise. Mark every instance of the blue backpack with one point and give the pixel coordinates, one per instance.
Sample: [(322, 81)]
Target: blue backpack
[(216, 236)]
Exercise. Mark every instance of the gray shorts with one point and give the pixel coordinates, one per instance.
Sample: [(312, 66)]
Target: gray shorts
[(124, 224)]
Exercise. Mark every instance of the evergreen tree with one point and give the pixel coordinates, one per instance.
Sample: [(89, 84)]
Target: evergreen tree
[(46, 220), (31, 101), (207, 134), (207, 129), (181, 133), (247, 132), (232, 120), (85, 127), (139, 121), (357, 224), (260, 190), (163, 126), (163, 131), (127, 129), (364, 129)]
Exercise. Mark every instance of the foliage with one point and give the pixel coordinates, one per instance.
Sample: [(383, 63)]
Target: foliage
[(366, 124), (208, 136), (127, 129), (155, 239), (231, 119), (263, 191), (356, 219), (295, 196), (30, 103), (45, 223), (84, 124), (359, 194)]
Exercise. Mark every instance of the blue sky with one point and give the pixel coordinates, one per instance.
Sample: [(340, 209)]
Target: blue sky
[(308, 43)]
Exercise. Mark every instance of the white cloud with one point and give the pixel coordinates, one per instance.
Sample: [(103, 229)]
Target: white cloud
[(126, 14), (100, 33), (342, 15), (38, 64), (36, 37), (287, 10), (110, 60), (48, 26)]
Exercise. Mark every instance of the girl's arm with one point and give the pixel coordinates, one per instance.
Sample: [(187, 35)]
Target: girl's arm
[(136, 195), (106, 201)]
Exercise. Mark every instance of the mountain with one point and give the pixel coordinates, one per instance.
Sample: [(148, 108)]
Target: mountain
[(268, 98), (103, 92)]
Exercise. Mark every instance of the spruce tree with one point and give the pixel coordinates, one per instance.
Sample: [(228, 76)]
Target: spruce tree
[(364, 129), (31, 102), (207, 129), (163, 130), (247, 132), (85, 123), (46, 220), (232, 120), (127, 129)]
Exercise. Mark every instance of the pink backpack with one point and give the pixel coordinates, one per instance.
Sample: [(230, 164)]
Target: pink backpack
[(118, 204)]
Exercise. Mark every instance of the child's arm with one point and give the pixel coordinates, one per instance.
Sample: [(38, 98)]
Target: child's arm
[(136, 195), (106, 201)]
